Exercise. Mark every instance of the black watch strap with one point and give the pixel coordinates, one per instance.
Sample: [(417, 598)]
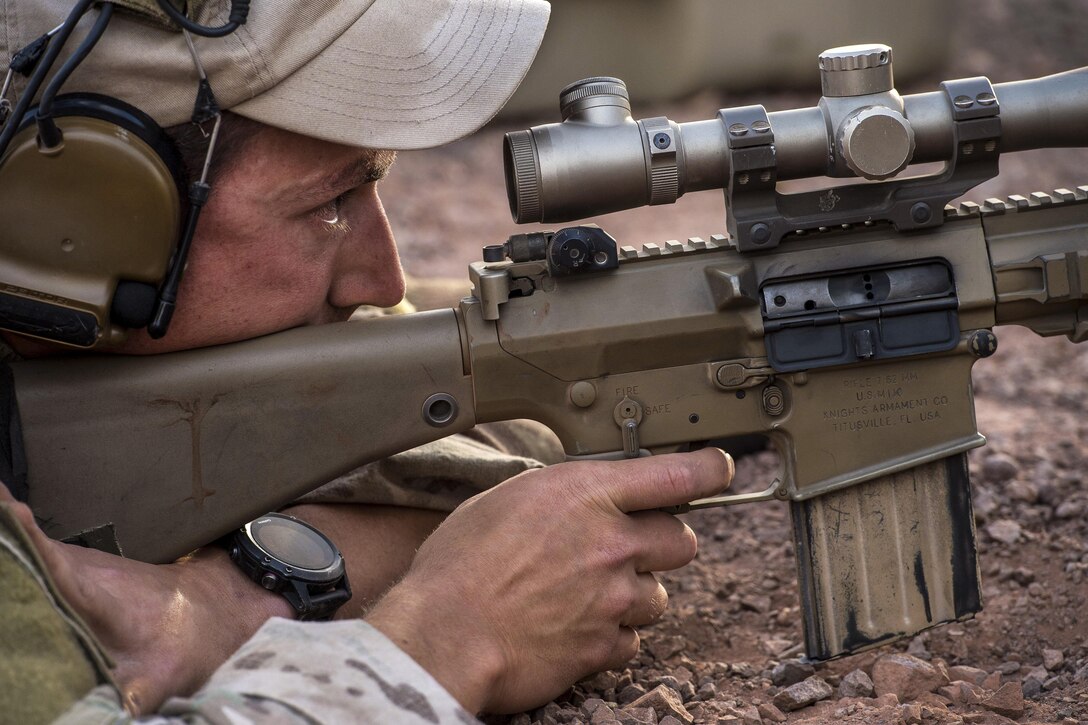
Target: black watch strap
[(319, 604), (292, 558)]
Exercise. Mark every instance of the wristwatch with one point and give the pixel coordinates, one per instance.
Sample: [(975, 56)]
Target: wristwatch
[(288, 556)]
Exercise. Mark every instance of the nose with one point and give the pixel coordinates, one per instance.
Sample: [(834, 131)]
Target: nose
[(367, 269)]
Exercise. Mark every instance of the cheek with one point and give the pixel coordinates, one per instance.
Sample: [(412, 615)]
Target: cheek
[(253, 279)]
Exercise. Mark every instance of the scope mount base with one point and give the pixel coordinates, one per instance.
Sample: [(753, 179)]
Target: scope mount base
[(758, 216)]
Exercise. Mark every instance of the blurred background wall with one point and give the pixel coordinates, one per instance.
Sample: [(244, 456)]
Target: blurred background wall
[(668, 49)]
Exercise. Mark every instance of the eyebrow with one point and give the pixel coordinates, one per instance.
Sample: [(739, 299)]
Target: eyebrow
[(372, 166)]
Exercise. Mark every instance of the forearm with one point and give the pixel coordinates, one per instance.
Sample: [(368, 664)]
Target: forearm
[(302, 672)]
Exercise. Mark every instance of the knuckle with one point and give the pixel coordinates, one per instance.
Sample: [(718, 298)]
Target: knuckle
[(614, 551), (618, 603), (679, 478)]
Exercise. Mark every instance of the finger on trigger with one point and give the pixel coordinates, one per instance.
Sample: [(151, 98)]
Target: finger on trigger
[(670, 479)]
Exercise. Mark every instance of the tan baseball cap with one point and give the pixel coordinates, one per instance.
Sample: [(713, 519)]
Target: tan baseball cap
[(398, 74)]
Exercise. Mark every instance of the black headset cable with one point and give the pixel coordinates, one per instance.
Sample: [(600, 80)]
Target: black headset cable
[(49, 135), (42, 70), (239, 11)]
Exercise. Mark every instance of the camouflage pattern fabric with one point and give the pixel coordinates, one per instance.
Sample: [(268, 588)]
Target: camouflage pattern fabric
[(440, 475), (301, 672), (50, 658)]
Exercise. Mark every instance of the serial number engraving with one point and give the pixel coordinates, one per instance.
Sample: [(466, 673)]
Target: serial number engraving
[(885, 401)]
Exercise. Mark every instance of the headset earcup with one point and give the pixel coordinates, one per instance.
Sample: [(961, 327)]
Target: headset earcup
[(92, 226)]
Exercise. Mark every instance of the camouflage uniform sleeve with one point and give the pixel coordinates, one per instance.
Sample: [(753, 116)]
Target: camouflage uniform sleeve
[(301, 672)]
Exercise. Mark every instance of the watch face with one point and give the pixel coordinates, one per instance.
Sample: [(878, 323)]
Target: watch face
[(292, 542)]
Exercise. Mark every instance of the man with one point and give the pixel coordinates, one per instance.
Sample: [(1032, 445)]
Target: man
[(523, 589)]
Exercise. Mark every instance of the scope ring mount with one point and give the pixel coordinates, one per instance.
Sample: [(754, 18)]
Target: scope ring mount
[(759, 216)]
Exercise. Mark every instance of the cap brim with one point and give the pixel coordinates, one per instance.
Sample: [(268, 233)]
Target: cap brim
[(409, 73)]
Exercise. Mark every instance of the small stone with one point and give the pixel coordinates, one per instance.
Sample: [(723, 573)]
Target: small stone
[(549, 712), (668, 681), (687, 691), (987, 718), (770, 713), (856, 684), (917, 647), (683, 674), (743, 670), (707, 692), (1007, 701), (630, 694), (666, 647), (1054, 682), (906, 676), (666, 703), (1008, 668), (775, 646), (1068, 510), (669, 720), (791, 672), (1031, 688), (1025, 491), (757, 603), (1081, 675), (591, 704), (889, 699), (1037, 673), (637, 716), (1053, 658), (992, 681), (701, 712), (933, 712), (603, 716), (750, 716), (521, 719), (1006, 531), (999, 468), (602, 681), (911, 713), (971, 694), (570, 714), (803, 694), (967, 674)]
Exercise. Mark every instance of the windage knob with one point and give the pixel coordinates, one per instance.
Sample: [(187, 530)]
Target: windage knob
[(856, 70), (876, 142)]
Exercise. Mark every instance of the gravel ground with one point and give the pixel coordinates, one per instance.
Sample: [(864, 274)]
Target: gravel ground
[(727, 650)]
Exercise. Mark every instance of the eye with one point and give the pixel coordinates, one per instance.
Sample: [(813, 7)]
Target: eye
[(331, 215)]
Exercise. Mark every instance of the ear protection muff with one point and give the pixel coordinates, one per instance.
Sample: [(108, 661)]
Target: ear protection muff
[(91, 225), (92, 240)]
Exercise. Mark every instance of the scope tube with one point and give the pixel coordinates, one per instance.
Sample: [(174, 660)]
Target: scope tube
[(588, 166)]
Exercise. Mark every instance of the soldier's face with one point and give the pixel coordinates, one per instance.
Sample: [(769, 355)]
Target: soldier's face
[(293, 234)]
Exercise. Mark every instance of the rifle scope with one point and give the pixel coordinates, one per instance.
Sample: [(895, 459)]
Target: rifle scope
[(600, 160)]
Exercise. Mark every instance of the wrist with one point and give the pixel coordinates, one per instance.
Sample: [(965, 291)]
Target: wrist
[(237, 597), (463, 664)]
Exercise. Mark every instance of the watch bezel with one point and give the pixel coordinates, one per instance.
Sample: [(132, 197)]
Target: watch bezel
[(314, 594), (271, 560)]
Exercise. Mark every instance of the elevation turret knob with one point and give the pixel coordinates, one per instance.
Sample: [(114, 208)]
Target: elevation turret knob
[(580, 96), (856, 70)]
